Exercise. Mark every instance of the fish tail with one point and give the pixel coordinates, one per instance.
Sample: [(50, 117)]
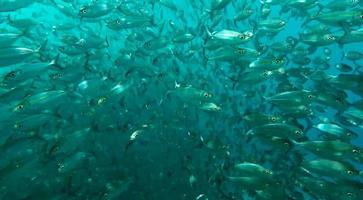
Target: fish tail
[(107, 42), (308, 19), (235, 22), (254, 25), (42, 46), (249, 135), (8, 17), (320, 8), (343, 56), (55, 60), (41, 49), (208, 32), (152, 21), (312, 49), (357, 68), (127, 146)]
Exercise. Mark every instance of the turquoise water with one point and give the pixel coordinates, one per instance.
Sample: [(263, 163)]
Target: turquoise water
[(189, 100)]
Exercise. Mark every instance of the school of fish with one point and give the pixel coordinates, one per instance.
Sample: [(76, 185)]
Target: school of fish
[(184, 100)]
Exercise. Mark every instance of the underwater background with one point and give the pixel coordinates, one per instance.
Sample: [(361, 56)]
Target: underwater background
[(184, 100)]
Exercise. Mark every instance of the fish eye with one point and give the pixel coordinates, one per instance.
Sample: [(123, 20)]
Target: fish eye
[(355, 151), (118, 21), (297, 132), (17, 125), (11, 74), (349, 194), (83, 10), (241, 37), (19, 107), (206, 94), (273, 118), (310, 96), (350, 172), (349, 134)]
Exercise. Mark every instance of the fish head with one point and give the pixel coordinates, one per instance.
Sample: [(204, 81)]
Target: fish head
[(83, 11), (206, 95), (11, 75), (311, 96), (351, 172), (274, 119), (19, 107), (282, 23), (245, 36), (298, 132), (279, 60), (356, 151), (351, 135), (329, 38)]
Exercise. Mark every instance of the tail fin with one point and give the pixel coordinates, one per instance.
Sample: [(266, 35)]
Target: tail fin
[(106, 42), (42, 46), (55, 63), (41, 49), (209, 33)]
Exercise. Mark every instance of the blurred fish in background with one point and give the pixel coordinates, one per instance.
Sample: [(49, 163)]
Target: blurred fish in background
[(194, 99)]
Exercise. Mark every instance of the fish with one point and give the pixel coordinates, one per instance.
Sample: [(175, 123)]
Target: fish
[(336, 18), (303, 97), (276, 130), (230, 36), (333, 149), (129, 22), (16, 55), (247, 168), (41, 99), (221, 99), (95, 10), (7, 6), (330, 168), (353, 55), (319, 40), (210, 107)]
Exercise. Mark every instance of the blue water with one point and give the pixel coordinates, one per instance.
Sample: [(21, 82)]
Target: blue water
[(90, 112)]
